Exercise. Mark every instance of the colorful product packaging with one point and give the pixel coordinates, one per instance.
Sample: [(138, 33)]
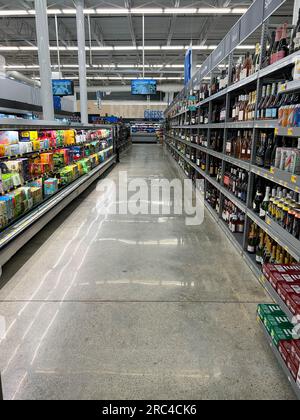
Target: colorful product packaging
[(50, 186)]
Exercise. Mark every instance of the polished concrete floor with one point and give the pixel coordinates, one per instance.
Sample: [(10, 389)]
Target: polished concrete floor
[(100, 306)]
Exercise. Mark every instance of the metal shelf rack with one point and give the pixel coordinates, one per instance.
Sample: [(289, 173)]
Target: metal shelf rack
[(262, 10)]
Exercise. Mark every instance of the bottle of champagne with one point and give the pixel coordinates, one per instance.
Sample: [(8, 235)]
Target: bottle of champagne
[(258, 200), (252, 239), (265, 204), (269, 152)]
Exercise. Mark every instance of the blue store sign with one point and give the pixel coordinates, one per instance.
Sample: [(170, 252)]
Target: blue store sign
[(153, 115)]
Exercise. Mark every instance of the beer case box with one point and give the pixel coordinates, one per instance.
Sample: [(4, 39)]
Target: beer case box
[(293, 303), (268, 269), (284, 289), (296, 349), (268, 310), (280, 321), (277, 280), (285, 350), (293, 367), (279, 334)]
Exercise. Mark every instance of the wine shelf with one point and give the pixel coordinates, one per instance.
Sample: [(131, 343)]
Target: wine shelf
[(283, 178), (263, 76)]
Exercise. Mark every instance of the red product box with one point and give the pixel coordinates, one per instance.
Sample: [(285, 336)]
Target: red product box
[(277, 279), (293, 303), (268, 269), (285, 349), (285, 289), (296, 349), (293, 367)]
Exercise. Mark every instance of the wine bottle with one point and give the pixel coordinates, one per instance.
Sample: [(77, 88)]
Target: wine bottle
[(265, 204), (295, 44), (283, 48)]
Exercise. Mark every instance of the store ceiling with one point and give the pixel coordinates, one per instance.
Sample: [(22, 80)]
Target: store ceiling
[(161, 31)]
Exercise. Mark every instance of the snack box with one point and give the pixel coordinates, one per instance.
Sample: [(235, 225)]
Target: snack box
[(280, 268), (285, 349)]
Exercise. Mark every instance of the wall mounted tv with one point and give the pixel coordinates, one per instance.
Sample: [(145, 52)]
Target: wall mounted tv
[(143, 87), (63, 87)]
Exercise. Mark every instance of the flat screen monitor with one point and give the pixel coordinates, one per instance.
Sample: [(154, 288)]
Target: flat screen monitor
[(63, 87), (144, 87)]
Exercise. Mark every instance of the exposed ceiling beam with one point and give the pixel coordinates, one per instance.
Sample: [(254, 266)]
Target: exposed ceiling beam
[(173, 23)]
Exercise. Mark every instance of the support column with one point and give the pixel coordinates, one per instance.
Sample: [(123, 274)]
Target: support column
[(42, 31), (82, 61)]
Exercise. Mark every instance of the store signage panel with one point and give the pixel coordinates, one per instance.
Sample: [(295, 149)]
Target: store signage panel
[(218, 55), (205, 69), (252, 19), (270, 6), (153, 115)]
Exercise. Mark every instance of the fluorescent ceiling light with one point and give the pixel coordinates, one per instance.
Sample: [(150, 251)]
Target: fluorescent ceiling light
[(245, 47), (32, 48), (126, 66), (145, 11), (173, 47), (114, 11), (57, 48), (101, 48), (122, 48), (148, 48), (134, 11), (239, 10), (69, 11), (50, 12), (214, 10), (198, 47), (3, 48), (13, 12), (179, 11)]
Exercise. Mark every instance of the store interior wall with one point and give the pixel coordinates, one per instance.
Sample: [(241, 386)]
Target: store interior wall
[(125, 109)]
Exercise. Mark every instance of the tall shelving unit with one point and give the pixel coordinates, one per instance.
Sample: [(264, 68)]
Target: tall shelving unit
[(23, 228), (177, 137)]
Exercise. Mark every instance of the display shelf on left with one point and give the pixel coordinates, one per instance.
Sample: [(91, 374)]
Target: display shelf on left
[(43, 167)]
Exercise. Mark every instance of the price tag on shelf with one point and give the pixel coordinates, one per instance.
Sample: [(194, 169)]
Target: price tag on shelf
[(294, 179), (276, 131), (290, 132), (268, 221), (272, 170), (262, 279)]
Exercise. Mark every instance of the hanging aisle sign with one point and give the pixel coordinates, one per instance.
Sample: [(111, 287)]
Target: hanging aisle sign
[(252, 19), (188, 66), (270, 7)]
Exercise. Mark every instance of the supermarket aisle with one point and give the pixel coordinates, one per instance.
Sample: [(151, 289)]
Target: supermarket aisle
[(124, 307)]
